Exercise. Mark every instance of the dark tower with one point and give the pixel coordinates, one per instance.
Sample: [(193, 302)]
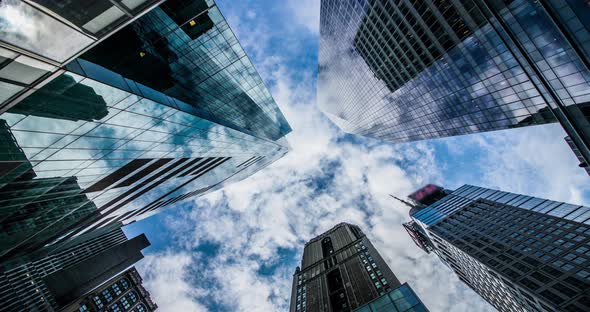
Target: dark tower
[(519, 253), (57, 277), (342, 271)]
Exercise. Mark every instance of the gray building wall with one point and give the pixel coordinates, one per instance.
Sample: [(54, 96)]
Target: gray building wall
[(520, 253)]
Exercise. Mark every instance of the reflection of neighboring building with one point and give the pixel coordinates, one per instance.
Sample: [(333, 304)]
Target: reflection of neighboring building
[(408, 71), (123, 293), (201, 64), (64, 98), (13, 161), (31, 55), (383, 53), (519, 253), (342, 271), (178, 111), (57, 278), (35, 210)]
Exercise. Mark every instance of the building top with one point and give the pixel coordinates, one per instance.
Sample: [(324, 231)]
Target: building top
[(201, 63), (134, 274), (330, 231), (466, 194), (124, 292)]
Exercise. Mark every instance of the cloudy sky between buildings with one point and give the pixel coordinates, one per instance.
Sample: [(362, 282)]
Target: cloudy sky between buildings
[(236, 249)]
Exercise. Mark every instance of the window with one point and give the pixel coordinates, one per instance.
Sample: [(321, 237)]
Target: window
[(116, 289), (132, 296), (125, 303), (583, 274), (567, 267), (83, 308), (115, 308), (140, 308), (124, 283), (107, 295), (98, 302)]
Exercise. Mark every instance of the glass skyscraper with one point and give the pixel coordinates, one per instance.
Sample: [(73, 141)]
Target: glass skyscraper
[(519, 253), (408, 70), (167, 107), (342, 271)]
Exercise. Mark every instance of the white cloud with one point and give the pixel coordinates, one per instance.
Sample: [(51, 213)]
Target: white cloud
[(45, 36), (327, 178), (307, 13), (533, 160), (165, 275)]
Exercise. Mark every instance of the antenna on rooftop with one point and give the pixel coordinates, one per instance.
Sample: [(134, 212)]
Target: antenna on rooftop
[(404, 202)]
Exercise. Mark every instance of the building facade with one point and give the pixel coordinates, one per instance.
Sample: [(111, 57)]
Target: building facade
[(519, 253), (54, 279), (38, 37), (410, 70), (125, 292), (177, 112), (342, 271)]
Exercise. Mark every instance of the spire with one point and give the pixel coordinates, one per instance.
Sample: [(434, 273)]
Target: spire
[(413, 207), (404, 202)]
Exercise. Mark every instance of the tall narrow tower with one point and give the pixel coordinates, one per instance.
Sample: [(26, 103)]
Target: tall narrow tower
[(342, 271)]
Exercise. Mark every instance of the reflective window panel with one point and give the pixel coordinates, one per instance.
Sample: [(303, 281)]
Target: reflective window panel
[(186, 50), (82, 151)]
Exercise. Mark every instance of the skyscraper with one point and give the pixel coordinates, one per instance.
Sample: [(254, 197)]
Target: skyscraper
[(342, 271), (410, 70), (56, 278), (123, 293), (178, 111), (519, 253)]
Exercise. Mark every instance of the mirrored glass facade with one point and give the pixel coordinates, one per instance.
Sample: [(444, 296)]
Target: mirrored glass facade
[(408, 70), (39, 36), (342, 271), (106, 142), (520, 253), (401, 299), (186, 50)]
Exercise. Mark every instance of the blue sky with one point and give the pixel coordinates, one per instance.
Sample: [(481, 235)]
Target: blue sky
[(236, 249)]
